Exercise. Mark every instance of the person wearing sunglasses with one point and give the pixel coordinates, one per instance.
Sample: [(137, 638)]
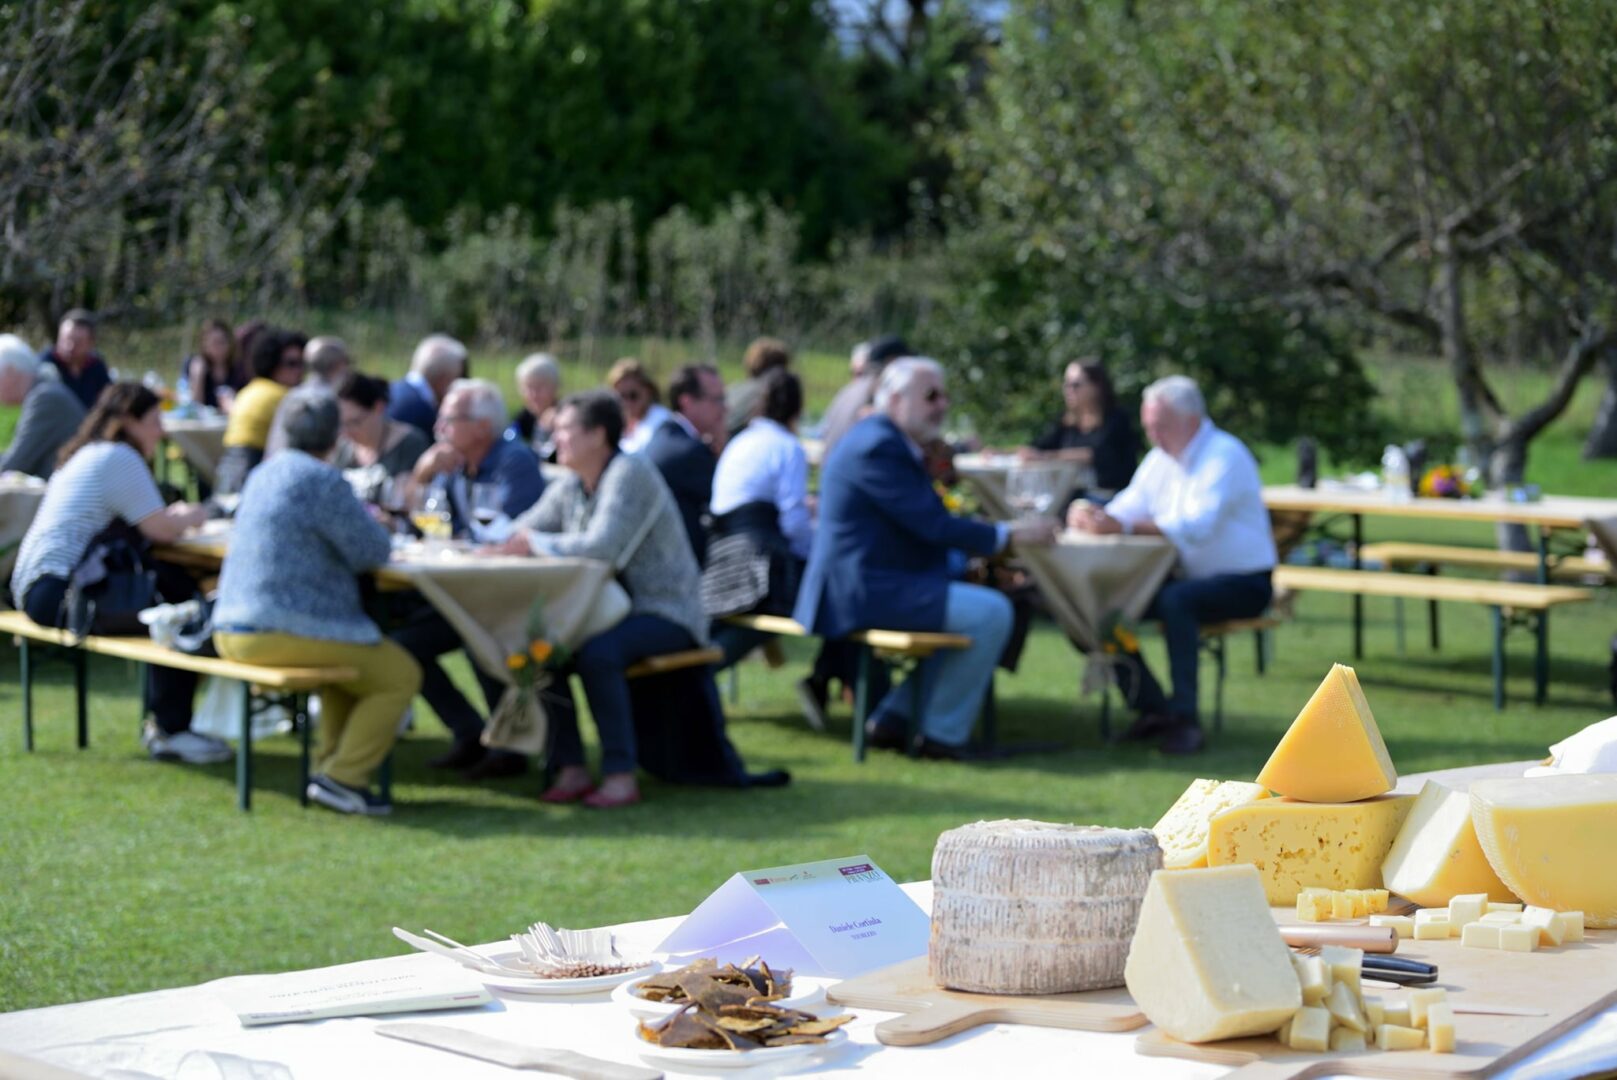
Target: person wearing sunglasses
[(277, 363), (643, 414), (880, 560)]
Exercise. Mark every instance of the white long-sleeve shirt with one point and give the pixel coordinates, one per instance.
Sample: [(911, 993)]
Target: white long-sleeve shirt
[(766, 463), (1208, 501)]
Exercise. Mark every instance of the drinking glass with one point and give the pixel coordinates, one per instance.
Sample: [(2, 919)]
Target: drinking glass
[(488, 503)]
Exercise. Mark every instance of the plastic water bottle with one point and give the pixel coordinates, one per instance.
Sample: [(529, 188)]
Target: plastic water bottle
[(1395, 474), (183, 405)]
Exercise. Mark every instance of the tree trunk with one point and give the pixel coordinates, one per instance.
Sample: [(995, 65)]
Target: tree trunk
[(1507, 468), (1602, 441), (1457, 350)]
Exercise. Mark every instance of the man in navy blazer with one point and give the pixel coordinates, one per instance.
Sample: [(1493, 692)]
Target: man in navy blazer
[(438, 361), (881, 559), (682, 448)]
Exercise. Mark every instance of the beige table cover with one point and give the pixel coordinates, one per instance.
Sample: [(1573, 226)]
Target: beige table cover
[(20, 497), (201, 440), (988, 474)]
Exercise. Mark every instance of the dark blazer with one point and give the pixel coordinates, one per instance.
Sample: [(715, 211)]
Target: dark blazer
[(881, 551), (88, 383), (406, 403), (687, 466)]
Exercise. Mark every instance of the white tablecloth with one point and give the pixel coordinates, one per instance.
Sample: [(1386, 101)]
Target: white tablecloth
[(200, 439), (20, 497), (187, 1032)]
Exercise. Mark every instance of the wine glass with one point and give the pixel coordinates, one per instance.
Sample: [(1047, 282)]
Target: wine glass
[(488, 503), (1031, 489), (432, 516)]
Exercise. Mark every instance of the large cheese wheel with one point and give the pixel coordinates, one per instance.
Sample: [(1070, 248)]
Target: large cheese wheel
[(1550, 839), (1027, 907)]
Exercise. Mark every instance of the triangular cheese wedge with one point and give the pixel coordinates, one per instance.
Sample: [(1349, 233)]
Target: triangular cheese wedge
[(1333, 751), (1437, 855)]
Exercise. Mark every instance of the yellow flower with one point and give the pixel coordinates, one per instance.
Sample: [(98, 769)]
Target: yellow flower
[(1128, 640), (516, 661), (540, 651)]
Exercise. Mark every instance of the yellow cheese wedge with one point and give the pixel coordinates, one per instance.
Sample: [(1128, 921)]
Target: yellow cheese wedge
[(1333, 751), (1299, 844), (1207, 961), (1182, 832), (1549, 838), (1436, 856)]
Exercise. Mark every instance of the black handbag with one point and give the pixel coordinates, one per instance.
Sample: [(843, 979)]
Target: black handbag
[(111, 586)]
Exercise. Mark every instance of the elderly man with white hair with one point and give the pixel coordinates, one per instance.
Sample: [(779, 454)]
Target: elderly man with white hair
[(539, 383), (471, 451), (1198, 487), (438, 361), (51, 413), (880, 560)]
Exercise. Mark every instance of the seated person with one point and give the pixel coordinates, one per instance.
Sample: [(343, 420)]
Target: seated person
[(105, 484), (643, 414), (685, 448), (77, 364), (745, 399), (470, 450), (616, 508), (289, 597), (215, 372), (1093, 431), (852, 403), (1198, 487), (437, 361), (369, 436), (881, 560), (760, 511), (325, 361), (50, 413), (539, 384), (277, 363)]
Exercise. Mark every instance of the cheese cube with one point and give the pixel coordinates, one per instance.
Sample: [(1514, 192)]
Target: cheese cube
[(1396, 1037), (1373, 1015), (1433, 931), (1182, 832), (1547, 923), (1395, 1013), (1440, 1028), (1344, 1040), (1313, 977), (1549, 840), (1518, 938), (1436, 855), (1311, 1029), (1467, 909), (1377, 899), (1283, 1032), (1207, 961), (1361, 902), (1314, 905), (1333, 751), (1344, 964), (1501, 918), (1481, 935), (1421, 1000), (1299, 844), (1403, 924), (1342, 906), (1504, 907), (1344, 1005), (1431, 915), (1571, 926)]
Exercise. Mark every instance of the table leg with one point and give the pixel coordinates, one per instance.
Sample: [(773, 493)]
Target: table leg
[(26, 670), (1498, 659), (1358, 600), (861, 703), (244, 754), (304, 735), (1541, 659), (912, 730), (80, 691)]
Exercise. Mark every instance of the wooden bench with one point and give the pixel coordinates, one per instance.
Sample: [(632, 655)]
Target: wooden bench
[(888, 645), (658, 665), (293, 682), (1507, 600)]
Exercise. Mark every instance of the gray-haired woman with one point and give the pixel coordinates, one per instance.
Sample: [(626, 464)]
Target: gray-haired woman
[(289, 597)]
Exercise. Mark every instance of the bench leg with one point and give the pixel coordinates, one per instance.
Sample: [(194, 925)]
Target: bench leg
[(301, 715), (244, 755), (1218, 685), (990, 717), (79, 690), (1431, 611), (1260, 649), (384, 777), (861, 702), (1498, 659), (1541, 659), (1398, 622), (26, 670), (912, 744)]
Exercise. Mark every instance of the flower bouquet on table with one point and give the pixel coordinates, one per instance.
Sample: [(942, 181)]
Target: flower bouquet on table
[(518, 722), (1445, 482)]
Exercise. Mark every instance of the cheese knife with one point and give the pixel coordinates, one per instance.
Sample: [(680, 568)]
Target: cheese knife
[(514, 1055)]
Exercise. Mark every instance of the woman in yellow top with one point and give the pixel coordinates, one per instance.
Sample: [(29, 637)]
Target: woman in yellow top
[(277, 363)]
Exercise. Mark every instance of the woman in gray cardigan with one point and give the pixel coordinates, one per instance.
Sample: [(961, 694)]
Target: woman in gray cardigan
[(616, 508)]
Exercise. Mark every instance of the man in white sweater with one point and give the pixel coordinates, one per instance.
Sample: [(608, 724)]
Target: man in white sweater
[(1198, 487)]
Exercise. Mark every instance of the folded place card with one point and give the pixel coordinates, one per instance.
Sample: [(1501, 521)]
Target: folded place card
[(838, 918), (366, 988)]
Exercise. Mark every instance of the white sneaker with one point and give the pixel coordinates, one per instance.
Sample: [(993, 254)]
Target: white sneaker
[(186, 746)]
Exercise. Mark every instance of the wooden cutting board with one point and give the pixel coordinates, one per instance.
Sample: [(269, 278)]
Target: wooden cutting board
[(1569, 984), (932, 1013)]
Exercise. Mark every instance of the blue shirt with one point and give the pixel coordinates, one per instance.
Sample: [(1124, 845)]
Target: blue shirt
[(510, 466)]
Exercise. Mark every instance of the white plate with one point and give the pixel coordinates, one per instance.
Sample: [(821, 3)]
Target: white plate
[(806, 992), (537, 987), (684, 1058)]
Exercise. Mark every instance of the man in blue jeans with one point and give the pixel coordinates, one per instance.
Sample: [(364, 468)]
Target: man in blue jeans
[(1198, 487), (881, 560)]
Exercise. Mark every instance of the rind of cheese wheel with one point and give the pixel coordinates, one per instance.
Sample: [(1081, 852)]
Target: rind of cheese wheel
[(1182, 832), (1437, 855), (1029, 907), (1333, 751), (1295, 845), (1549, 838), (1207, 961)]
